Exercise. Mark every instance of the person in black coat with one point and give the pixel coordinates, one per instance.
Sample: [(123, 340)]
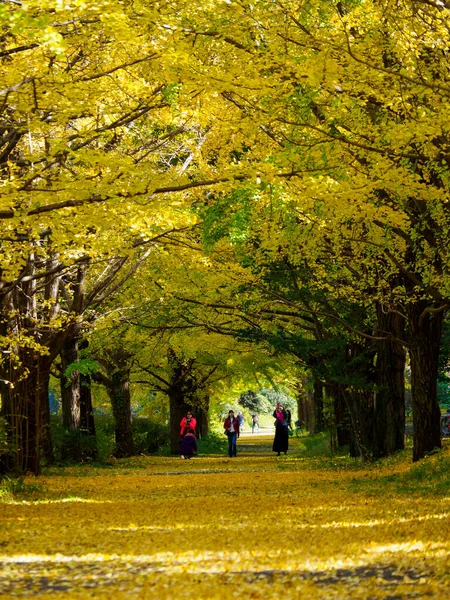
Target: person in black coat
[(281, 440)]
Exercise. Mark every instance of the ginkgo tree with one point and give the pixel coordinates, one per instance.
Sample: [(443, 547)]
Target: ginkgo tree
[(91, 136), (108, 110), (352, 100), (184, 352)]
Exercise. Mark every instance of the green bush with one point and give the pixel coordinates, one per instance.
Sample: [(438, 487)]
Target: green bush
[(74, 446), (149, 436)]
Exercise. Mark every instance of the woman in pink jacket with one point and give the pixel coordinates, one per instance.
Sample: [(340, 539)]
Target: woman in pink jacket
[(188, 422)]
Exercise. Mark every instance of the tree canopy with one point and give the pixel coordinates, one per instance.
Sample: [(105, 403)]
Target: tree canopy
[(221, 178)]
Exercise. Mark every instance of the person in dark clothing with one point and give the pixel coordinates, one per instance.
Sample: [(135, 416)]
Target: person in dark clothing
[(281, 440), (289, 418), (188, 444)]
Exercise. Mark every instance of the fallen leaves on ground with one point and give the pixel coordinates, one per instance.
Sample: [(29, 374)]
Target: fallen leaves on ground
[(252, 527)]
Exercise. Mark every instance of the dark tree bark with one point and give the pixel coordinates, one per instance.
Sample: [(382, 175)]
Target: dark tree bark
[(26, 412), (186, 389), (70, 386), (389, 408), (340, 420), (300, 406), (119, 393), (360, 408), (358, 397), (425, 330), (7, 456), (78, 416), (26, 404), (319, 418), (179, 405), (201, 414), (46, 440), (87, 423), (116, 379), (341, 415), (86, 409), (308, 410)]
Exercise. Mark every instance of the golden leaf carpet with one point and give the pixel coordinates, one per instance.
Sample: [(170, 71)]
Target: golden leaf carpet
[(256, 526)]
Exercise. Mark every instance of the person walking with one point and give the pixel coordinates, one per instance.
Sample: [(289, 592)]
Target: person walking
[(289, 418), (188, 444), (231, 426), (241, 420), (187, 422), (255, 422), (281, 440)]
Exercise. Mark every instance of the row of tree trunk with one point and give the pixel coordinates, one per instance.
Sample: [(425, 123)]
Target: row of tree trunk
[(376, 414), (26, 411), (371, 419)]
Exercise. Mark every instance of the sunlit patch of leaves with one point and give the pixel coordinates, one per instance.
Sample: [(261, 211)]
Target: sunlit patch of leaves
[(257, 526)]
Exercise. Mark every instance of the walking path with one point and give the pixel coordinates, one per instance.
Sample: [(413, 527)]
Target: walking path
[(257, 527)]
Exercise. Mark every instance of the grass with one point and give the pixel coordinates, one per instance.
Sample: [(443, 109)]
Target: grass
[(12, 488)]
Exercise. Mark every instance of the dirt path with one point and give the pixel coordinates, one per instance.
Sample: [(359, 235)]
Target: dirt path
[(253, 527)]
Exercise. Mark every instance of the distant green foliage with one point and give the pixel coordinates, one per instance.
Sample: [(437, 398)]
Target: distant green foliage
[(273, 396), (443, 390), (252, 401), (264, 400), (85, 366)]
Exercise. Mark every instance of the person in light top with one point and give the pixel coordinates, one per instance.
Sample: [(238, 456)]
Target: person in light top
[(231, 426), (241, 420), (255, 422)]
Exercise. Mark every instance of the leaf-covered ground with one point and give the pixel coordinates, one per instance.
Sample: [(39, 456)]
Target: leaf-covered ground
[(252, 527)]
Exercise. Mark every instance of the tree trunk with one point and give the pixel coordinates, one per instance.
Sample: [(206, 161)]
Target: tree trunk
[(70, 386), (360, 408), (87, 423), (7, 454), (319, 418), (341, 415), (78, 416), (44, 404), (178, 410), (389, 407), (200, 412), (27, 416), (300, 407), (86, 408), (308, 405), (425, 329), (119, 394), (185, 394)]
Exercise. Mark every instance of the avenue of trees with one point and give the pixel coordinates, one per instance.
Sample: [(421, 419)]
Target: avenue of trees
[(197, 194)]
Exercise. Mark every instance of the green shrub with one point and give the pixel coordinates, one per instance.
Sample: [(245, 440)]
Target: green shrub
[(75, 446), (149, 436)]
